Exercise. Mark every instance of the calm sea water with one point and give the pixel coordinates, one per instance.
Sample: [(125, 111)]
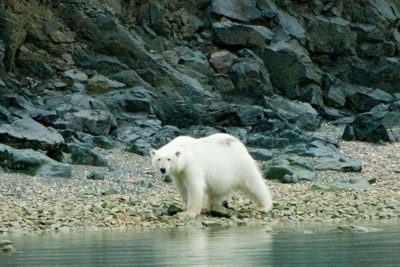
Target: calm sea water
[(235, 246)]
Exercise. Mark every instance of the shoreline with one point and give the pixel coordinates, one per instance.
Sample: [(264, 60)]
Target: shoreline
[(132, 196)]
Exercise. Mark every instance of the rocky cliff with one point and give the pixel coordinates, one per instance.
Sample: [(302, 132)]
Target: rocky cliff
[(79, 74)]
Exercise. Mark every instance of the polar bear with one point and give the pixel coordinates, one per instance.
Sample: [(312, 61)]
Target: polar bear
[(212, 166)]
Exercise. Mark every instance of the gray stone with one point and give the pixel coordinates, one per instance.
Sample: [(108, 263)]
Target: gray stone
[(356, 183), (300, 114), (289, 169), (76, 75), (218, 210), (84, 156), (337, 164), (288, 64), (241, 10), (261, 154), (374, 127), (235, 34), (96, 176), (365, 101), (95, 122), (32, 163), (250, 78), (27, 133), (329, 35), (6, 246), (173, 209)]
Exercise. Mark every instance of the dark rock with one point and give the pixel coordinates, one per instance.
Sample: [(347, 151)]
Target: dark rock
[(144, 135), (223, 84), (289, 169), (173, 209), (145, 184), (126, 45), (87, 140), (82, 155), (6, 246), (337, 93), (375, 127), (96, 176), (125, 102), (250, 78), (329, 35), (348, 133), (355, 183), (300, 114), (193, 58), (235, 34), (34, 64), (240, 10), (217, 210), (100, 84), (27, 133), (288, 64), (289, 26), (385, 48), (365, 101), (383, 73), (104, 64), (261, 154), (32, 163), (110, 192), (94, 122), (336, 164), (152, 14), (5, 115), (130, 78)]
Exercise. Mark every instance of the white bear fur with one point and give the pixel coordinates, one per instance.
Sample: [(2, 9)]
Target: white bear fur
[(212, 166)]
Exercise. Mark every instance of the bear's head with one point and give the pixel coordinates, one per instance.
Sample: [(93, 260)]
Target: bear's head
[(166, 162)]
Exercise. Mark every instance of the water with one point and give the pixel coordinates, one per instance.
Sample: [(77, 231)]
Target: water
[(236, 246)]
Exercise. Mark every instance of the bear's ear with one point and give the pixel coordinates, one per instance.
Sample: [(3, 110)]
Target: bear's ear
[(152, 152), (177, 153)]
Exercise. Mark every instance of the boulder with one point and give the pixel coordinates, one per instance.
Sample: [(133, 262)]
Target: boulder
[(222, 60), (235, 34), (365, 101), (288, 64), (94, 122), (77, 154), (250, 78), (289, 169), (239, 10), (300, 114), (329, 35), (27, 133), (31, 162), (374, 126)]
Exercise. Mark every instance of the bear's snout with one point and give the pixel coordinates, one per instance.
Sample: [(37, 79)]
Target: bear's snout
[(163, 170)]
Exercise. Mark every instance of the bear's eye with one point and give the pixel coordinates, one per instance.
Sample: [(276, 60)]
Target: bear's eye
[(169, 159), (159, 159)]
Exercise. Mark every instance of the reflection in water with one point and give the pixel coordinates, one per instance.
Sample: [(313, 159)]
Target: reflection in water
[(240, 246)]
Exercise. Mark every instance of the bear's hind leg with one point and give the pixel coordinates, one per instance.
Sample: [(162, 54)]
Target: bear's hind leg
[(257, 190)]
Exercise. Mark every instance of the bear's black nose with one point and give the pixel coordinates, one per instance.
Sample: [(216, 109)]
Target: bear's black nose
[(163, 170)]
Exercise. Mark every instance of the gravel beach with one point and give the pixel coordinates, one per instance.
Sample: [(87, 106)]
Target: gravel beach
[(132, 195)]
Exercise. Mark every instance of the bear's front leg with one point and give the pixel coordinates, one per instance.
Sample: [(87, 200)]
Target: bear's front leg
[(195, 195), (180, 187)]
